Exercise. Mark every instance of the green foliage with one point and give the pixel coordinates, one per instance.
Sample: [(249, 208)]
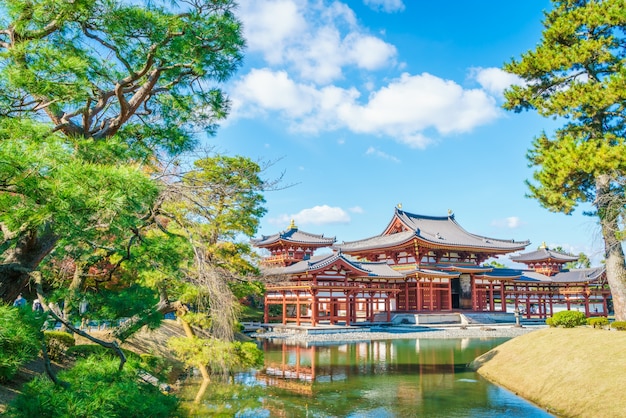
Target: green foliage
[(583, 262), (619, 325), (577, 74), (219, 356), (168, 59), (84, 351), (58, 343), (567, 319), (598, 322), (97, 389), (20, 339)]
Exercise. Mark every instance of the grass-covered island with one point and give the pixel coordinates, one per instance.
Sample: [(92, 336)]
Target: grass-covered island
[(575, 372)]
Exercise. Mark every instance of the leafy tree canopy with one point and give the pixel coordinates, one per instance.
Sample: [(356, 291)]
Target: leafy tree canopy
[(577, 74)]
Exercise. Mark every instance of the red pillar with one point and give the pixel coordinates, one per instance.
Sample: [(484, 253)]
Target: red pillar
[(502, 296), (432, 295), (284, 308), (266, 311), (314, 308), (298, 308)]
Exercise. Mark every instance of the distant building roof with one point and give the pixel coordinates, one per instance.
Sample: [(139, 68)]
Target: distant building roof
[(295, 236), (442, 231), (543, 254), (588, 275)]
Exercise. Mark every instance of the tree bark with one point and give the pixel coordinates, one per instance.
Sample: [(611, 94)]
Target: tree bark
[(29, 251), (614, 254)]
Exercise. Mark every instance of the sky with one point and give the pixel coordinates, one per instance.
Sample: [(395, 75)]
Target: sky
[(362, 105)]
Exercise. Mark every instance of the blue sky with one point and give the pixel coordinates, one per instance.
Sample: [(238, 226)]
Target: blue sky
[(365, 104)]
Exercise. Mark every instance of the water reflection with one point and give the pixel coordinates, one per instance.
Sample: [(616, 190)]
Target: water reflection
[(390, 378)]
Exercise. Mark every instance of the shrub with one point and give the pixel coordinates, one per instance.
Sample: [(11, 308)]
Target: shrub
[(84, 351), (598, 322), (58, 342), (96, 389), (19, 339), (550, 322), (568, 319), (619, 325)]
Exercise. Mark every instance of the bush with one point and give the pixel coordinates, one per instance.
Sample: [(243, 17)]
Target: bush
[(568, 319), (58, 342), (84, 351), (619, 325), (598, 322), (19, 339), (96, 389)]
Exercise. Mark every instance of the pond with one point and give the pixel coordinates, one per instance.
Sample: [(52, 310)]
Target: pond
[(387, 378)]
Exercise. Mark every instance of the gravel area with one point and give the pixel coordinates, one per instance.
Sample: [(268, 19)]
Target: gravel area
[(334, 336)]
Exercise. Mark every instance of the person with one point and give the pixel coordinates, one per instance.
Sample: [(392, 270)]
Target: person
[(37, 306), (19, 301)]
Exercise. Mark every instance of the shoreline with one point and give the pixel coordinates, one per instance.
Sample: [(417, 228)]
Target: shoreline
[(394, 333)]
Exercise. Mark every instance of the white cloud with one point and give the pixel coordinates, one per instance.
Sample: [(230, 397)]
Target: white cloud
[(356, 209), (405, 109), (315, 39), (512, 222), (494, 80), (387, 6), (381, 154), (269, 25), (306, 45), (317, 215)]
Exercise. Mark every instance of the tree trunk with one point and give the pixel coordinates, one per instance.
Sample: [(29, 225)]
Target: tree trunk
[(608, 212), (78, 279), (31, 248), (190, 334)]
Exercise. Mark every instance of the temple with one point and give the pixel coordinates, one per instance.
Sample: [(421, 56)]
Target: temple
[(418, 264)]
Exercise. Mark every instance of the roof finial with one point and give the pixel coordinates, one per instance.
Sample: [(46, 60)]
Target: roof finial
[(450, 212), (292, 225), (399, 205), (544, 246)]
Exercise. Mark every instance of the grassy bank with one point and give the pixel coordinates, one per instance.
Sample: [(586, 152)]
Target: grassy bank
[(577, 372)]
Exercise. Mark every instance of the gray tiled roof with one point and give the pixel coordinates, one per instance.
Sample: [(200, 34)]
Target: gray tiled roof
[(369, 269), (568, 276), (543, 254), (295, 236), (438, 230)]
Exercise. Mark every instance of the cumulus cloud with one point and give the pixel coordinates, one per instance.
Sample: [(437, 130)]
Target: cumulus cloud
[(405, 109), (494, 80), (314, 39), (512, 222), (387, 6), (317, 215)]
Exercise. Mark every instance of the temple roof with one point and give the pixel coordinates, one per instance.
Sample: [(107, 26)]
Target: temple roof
[(569, 276), (295, 236), (442, 231), (369, 269), (543, 254)]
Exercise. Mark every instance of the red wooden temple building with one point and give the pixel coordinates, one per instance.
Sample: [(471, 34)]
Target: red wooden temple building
[(418, 264)]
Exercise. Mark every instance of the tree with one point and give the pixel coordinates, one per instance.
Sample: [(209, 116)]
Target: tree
[(577, 74), (583, 262), (114, 83)]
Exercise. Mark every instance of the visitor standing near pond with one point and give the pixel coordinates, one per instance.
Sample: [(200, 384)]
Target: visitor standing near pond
[(19, 301), (37, 306)]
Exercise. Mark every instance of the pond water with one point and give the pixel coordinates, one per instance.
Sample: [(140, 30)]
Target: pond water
[(388, 378)]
